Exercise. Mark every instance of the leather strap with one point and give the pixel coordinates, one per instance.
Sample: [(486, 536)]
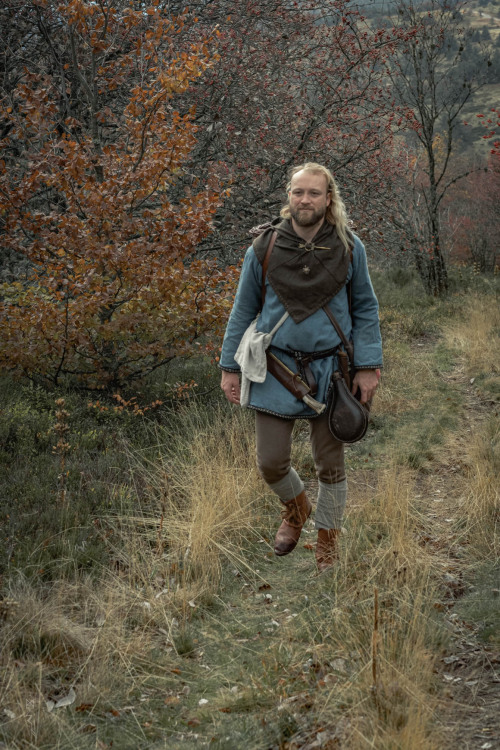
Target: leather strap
[(265, 264), (292, 382), (347, 344), (307, 373)]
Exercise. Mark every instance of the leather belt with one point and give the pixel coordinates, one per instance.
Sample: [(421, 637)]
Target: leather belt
[(304, 359)]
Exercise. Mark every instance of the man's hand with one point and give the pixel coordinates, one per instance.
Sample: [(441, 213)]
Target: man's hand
[(230, 384), (367, 382)]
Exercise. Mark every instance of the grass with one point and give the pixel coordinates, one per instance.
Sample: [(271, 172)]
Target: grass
[(144, 608), (476, 339)]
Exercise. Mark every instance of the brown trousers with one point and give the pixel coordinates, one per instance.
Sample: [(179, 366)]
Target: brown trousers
[(274, 446)]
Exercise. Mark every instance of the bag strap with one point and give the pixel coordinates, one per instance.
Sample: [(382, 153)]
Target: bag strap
[(333, 320), (345, 359), (265, 264), (279, 323)]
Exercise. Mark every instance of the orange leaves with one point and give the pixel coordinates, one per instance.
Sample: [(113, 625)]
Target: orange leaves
[(130, 406), (97, 209)]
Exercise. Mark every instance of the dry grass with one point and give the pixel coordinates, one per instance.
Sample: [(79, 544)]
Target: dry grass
[(204, 500), (477, 340), (376, 681), (402, 384), (480, 506), (92, 644), (193, 606), (476, 336), (42, 647), (104, 638)]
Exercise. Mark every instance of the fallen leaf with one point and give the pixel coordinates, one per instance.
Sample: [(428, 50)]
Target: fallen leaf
[(171, 699), (88, 729)]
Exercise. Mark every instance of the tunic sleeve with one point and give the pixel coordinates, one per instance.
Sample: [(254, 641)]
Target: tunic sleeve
[(364, 312), (246, 306)]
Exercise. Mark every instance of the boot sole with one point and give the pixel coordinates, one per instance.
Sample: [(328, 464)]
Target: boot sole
[(287, 552)]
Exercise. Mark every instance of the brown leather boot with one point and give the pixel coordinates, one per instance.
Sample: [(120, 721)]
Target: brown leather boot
[(326, 549), (295, 514)]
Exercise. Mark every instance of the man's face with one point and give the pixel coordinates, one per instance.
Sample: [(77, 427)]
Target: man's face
[(308, 198)]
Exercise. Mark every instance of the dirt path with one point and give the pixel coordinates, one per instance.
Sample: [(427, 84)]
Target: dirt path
[(469, 670)]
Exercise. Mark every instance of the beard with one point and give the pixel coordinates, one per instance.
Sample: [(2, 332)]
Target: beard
[(307, 217)]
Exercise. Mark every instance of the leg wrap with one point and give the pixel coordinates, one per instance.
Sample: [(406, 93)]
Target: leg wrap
[(331, 503), (289, 487)]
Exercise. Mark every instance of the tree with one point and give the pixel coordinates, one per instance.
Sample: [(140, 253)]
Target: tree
[(473, 217), (294, 82), (436, 76), (94, 153)]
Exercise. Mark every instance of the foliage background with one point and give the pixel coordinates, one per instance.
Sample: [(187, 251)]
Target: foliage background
[(140, 144)]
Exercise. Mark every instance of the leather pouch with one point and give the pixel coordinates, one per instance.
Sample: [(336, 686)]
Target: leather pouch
[(347, 417)]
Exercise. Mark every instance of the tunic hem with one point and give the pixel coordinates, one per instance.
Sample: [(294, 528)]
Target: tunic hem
[(282, 416)]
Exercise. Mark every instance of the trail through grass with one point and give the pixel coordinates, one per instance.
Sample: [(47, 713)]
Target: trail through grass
[(157, 616)]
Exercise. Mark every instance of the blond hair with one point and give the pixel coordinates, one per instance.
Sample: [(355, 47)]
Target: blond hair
[(336, 213)]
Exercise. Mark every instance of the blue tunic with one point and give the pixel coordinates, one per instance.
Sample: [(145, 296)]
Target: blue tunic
[(313, 334)]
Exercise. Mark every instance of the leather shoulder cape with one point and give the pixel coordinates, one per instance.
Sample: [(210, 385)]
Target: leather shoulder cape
[(304, 275)]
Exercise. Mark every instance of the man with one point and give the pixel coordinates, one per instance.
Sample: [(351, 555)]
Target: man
[(315, 259)]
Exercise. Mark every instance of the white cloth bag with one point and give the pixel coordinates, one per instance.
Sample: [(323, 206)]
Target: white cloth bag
[(251, 356)]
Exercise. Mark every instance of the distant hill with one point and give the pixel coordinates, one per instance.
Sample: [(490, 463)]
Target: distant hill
[(483, 18)]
